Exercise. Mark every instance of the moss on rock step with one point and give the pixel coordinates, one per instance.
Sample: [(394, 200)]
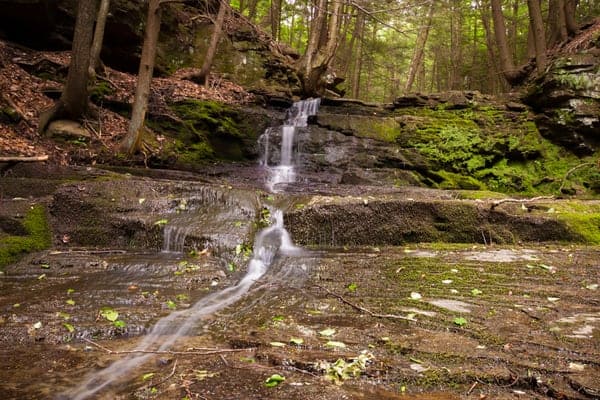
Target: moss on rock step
[(38, 237)]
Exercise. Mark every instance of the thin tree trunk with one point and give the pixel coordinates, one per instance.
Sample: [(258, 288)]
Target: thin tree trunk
[(492, 61), (214, 43), (417, 59), (275, 12), (537, 25), (95, 63), (359, 33), (132, 140), (252, 10), (508, 68), (513, 29)]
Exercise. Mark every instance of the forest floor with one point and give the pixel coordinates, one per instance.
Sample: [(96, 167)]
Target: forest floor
[(27, 90)]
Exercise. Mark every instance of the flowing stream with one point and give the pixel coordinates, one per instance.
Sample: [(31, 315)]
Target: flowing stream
[(268, 243)]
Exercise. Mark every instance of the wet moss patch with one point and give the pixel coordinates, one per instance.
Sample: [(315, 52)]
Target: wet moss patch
[(204, 131), (38, 237)]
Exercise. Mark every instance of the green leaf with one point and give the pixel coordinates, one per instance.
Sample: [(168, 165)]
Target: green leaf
[(119, 324), (247, 360), (161, 222), (278, 318), (460, 321), (296, 341), (171, 304), (70, 291), (109, 314), (16, 305), (277, 344), (42, 276), (231, 267), (327, 332), (476, 292), (182, 297), (70, 302), (352, 287), (45, 266), (147, 376), (332, 343), (63, 315), (274, 380), (69, 327)]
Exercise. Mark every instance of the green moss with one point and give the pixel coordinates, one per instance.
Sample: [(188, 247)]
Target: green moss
[(456, 181), (38, 238), (100, 90), (587, 225)]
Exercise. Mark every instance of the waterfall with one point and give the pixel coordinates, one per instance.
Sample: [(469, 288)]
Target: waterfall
[(268, 243), (283, 171)]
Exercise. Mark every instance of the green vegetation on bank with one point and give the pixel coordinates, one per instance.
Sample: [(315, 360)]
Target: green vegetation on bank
[(38, 237), (493, 149)]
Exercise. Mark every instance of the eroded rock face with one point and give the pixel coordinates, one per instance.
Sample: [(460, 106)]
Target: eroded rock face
[(567, 101)]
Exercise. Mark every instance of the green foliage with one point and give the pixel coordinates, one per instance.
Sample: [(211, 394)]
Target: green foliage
[(38, 237), (342, 370), (465, 149)]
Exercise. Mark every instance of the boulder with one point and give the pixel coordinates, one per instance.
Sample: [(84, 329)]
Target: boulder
[(68, 130), (567, 99)]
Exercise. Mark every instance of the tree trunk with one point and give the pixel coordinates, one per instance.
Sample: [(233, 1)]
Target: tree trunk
[(570, 9), (202, 77), (508, 68), (74, 99), (359, 33), (132, 140), (275, 12), (417, 59), (95, 63), (557, 26), (537, 25)]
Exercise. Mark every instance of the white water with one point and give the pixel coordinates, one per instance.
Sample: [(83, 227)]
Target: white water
[(268, 242), (284, 171)]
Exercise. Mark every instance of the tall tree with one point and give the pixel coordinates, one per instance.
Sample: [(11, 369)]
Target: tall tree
[(539, 38), (73, 102), (132, 140), (95, 62), (417, 60), (509, 71), (321, 47)]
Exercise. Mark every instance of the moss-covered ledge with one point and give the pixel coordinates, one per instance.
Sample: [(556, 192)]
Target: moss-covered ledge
[(397, 220), (38, 237)]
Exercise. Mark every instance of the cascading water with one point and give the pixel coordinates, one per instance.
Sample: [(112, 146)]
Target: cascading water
[(268, 243), (283, 169)]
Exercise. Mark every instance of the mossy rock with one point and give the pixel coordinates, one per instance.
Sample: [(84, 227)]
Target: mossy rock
[(37, 237), (207, 130)]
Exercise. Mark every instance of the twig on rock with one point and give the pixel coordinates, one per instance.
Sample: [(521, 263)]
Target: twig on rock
[(502, 201), (170, 352), (363, 309)]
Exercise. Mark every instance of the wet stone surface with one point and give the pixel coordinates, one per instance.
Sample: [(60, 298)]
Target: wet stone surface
[(436, 322)]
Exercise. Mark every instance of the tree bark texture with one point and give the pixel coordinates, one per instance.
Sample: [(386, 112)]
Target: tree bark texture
[(539, 38), (75, 95), (417, 59), (132, 140), (202, 76), (95, 63)]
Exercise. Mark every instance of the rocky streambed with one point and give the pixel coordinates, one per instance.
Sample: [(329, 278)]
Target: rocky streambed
[(377, 305)]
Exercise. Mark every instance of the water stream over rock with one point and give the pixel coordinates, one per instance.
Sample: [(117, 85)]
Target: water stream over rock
[(269, 242)]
